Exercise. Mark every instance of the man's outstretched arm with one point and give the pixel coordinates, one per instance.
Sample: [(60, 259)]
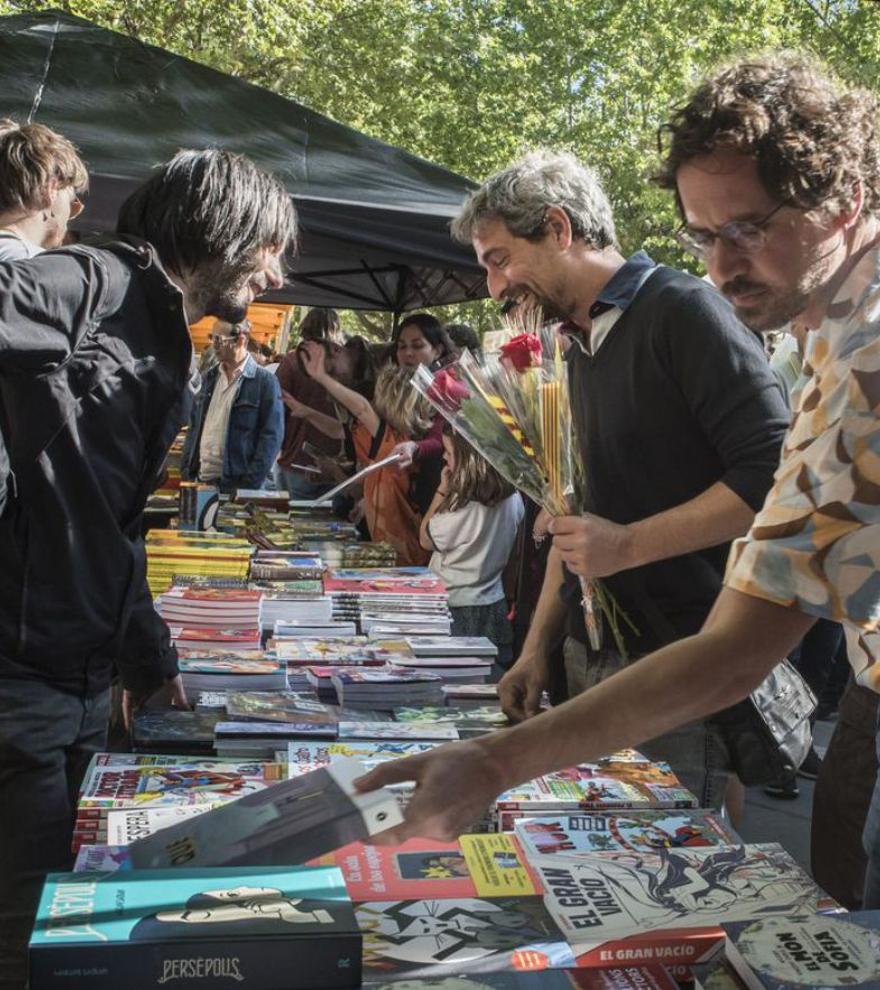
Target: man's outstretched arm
[(743, 639)]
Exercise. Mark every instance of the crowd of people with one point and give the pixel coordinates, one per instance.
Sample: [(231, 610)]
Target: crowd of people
[(735, 521)]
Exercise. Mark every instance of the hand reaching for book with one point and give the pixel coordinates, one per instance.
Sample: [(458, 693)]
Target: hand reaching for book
[(456, 783), (174, 689), (520, 689)]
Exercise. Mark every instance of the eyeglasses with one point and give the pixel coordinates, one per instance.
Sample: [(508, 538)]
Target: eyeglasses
[(747, 236)]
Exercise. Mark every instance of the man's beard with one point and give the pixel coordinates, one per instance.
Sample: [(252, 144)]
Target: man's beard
[(220, 292), (776, 308)]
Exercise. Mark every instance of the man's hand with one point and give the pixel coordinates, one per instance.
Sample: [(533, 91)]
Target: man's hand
[(456, 783), (591, 546), (174, 690), (407, 451), (519, 690)]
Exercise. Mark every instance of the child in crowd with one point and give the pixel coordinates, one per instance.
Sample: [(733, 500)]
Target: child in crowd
[(471, 526), (397, 413)]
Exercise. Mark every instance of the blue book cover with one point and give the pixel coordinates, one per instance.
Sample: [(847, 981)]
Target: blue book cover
[(273, 927), (808, 950)]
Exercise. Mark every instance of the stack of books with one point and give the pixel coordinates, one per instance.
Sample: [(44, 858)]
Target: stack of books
[(402, 600), (172, 552), (208, 608), (140, 782), (225, 672), (286, 565), (225, 639), (364, 687)]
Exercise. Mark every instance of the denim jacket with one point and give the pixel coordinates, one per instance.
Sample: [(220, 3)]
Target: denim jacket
[(256, 427)]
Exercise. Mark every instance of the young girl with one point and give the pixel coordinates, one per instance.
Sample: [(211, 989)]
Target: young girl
[(471, 526), (397, 413)]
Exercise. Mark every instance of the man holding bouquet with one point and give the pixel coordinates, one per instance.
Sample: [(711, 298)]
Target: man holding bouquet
[(678, 424), (775, 169)]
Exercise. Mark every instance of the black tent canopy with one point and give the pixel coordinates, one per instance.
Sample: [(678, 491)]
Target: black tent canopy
[(374, 219)]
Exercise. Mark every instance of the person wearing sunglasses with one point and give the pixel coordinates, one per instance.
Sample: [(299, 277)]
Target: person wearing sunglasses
[(42, 180), (237, 421)]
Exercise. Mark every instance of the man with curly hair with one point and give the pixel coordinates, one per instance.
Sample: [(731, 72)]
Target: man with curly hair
[(776, 170)]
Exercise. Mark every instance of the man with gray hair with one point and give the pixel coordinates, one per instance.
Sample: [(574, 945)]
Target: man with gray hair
[(678, 423)]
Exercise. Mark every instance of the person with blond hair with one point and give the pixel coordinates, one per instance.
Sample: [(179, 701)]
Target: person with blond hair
[(42, 180)]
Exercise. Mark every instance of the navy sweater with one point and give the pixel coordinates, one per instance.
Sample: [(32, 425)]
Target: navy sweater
[(678, 397)]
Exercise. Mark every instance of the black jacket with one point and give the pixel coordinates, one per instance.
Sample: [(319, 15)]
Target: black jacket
[(94, 365)]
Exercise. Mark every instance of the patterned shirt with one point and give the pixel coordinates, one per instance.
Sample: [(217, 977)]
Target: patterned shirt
[(815, 545)]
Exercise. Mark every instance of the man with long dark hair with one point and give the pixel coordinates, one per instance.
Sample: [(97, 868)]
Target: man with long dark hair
[(95, 361)]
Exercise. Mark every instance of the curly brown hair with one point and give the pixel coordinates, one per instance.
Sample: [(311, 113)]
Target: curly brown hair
[(813, 137)]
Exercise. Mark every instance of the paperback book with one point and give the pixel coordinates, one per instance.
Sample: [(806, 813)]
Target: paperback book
[(810, 950), (412, 938), (289, 928), (292, 821), (474, 866), (601, 900)]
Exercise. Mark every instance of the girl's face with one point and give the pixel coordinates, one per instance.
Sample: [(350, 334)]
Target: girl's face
[(413, 348), (448, 453)]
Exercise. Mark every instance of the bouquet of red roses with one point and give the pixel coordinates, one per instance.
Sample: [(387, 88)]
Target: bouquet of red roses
[(513, 407)]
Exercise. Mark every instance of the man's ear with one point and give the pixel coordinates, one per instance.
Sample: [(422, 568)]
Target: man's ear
[(851, 210), (48, 195), (558, 226)]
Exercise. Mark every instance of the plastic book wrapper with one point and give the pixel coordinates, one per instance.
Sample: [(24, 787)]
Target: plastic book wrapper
[(293, 821), (513, 407)]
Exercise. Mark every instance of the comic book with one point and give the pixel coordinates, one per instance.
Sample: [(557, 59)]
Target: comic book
[(674, 896), (269, 928), (636, 830), (432, 937), (290, 822), (156, 786)]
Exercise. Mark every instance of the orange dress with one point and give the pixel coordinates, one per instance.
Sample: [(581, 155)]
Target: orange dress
[(390, 514)]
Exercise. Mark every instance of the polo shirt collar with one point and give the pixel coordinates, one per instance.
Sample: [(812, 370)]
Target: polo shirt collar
[(623, 286)]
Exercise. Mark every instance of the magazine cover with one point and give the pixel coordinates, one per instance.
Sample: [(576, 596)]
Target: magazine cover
[(607, 896), (404, 939), (153, 786), (290, 927), (637, 830)]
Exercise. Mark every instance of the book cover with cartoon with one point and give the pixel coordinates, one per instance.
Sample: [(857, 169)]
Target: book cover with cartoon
[(421, 938), (635, 830), (271, 927), (605, 896)]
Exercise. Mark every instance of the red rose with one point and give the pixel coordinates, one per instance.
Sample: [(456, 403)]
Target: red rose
[(523, 351), (447, 391)]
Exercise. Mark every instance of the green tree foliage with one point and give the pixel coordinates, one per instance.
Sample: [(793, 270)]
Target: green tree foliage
[(471, 83)]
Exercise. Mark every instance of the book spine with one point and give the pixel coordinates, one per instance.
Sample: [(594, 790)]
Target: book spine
[(304, 963)]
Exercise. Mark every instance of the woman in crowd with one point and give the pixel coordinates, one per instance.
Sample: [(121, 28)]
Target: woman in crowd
[(471, 526), (397, 413), (422, 340)]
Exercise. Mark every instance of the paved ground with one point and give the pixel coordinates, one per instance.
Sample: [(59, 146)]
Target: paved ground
[(768, 819)]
